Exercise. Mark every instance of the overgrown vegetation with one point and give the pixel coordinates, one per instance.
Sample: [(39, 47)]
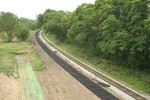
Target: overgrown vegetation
[(8, 63), (111, 34), (8, 22), (15, 30), (114, 35), (22, 33), (117, 30), (135, 77), (8, 52), (37, 65), (31, 24), (12, 27)]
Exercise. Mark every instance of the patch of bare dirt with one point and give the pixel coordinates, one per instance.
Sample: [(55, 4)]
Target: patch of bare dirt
[(9, 88), (57, 84), (27, 49)]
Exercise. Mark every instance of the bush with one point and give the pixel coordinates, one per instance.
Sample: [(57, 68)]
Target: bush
[(22, 33)]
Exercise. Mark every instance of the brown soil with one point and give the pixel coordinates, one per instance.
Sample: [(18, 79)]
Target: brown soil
[(57, 84), (9, 88)]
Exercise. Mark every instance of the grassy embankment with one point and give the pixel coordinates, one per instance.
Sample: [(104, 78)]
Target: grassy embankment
[(137, 79), (8, 51)]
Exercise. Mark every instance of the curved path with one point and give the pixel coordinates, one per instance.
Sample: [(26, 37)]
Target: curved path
[(93, 87)]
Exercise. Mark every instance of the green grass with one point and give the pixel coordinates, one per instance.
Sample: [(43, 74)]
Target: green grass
[(138, 79), (8, 51), (37, 64)]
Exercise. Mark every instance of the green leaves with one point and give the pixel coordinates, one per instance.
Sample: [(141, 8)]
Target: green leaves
[(52, 23), (11, 26), (114, 29), (8, 22), (22, 33), (31, 24), (109, 26)]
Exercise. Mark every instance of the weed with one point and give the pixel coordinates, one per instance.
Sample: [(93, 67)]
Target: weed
[(37, 64), (56, 90), (64, 91)]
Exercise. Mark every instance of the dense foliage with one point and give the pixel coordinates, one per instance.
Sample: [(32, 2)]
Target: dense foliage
[(118, 30), (31, 24), (22, 33), (11, 26), (8, 22)]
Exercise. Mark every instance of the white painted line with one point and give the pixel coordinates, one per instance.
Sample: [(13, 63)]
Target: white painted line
[(116, 90)]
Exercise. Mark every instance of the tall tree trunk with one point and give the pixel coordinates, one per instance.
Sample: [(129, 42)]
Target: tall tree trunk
[(9, 37)]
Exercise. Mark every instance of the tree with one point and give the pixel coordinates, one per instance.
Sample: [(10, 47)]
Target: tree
[(40, 20), (22, 32), (31, 24), (52, 23), (64, 23), (8, 22), (118, 30)]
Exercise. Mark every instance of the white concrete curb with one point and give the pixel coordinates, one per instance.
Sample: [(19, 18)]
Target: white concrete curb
[(114, 89)]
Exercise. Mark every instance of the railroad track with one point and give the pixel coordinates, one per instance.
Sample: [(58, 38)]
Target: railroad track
[(130, 92), (93, 87)]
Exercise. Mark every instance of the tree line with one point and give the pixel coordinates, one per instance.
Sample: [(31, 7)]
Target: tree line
[(117, 30), (12, 27)]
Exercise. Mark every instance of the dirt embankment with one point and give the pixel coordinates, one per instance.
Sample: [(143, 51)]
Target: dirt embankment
[(9, 88)]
